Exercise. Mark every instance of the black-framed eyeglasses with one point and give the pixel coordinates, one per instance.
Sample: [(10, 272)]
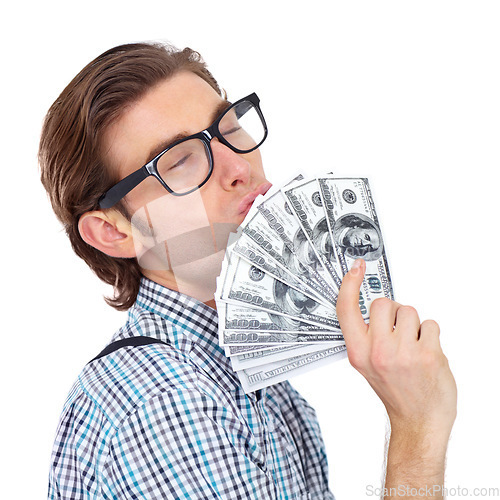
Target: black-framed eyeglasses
[(187, 164)]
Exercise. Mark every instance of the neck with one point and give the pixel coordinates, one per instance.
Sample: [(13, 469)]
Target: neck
[(196, 279)]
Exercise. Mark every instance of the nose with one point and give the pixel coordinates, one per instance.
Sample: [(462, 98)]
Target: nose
[(232, 169)]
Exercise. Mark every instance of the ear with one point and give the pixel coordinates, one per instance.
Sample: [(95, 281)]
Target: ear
[(108, 231)]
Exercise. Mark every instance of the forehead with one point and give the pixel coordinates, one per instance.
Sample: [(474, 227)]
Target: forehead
[(181, 104)]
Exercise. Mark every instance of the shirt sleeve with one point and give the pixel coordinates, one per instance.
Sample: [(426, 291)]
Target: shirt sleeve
[(183, 445), (301, 421)]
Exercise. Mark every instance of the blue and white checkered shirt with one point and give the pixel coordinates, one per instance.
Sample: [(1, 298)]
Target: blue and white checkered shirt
[(173, 421)]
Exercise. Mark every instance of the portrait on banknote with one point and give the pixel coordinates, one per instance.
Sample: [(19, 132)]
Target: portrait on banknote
[(358, 236), (300, 254), (293, 301), (322, 240)]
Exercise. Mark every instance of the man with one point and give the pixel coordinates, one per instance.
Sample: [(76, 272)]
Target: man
[(150, 168)]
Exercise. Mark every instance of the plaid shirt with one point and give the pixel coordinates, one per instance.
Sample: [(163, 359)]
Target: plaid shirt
[(173, 421)]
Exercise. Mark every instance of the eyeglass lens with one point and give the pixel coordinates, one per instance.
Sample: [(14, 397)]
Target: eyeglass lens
[(187, 165), (242, 126)]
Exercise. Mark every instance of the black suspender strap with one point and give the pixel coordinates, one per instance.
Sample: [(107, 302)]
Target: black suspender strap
[(131, 341)]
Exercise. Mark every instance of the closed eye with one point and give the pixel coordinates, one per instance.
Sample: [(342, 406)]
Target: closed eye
[(182, 160), (232, 130)]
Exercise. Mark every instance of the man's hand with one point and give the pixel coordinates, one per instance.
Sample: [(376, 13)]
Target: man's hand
[(402, 360)]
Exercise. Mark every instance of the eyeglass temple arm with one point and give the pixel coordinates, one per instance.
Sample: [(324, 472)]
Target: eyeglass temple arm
[(118, 191)]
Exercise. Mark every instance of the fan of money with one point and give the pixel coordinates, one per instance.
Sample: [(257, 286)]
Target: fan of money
[(282, 271)]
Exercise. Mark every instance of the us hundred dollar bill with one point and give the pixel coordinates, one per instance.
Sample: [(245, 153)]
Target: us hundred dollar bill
[(243, 326), (240, 350), (306, 202), (273, 239), (258, 358), (237, 317), (265, 375), (245, 284), (355, 233), (236, 350), (248, 250), (258, 337)]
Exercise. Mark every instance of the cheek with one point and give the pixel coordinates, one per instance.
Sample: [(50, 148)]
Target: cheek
[(170, 216), (145, 193), (219, 207)]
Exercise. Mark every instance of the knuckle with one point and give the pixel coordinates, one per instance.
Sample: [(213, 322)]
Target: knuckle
[(406, 361), (408, 311), (430, 324), (357, 358), (381, 305), (430, 359), (433, 358), (379, 360)]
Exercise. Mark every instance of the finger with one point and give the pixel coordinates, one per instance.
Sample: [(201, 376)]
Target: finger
[(348, 311), (383, 313), (407, 323), (429, 333)]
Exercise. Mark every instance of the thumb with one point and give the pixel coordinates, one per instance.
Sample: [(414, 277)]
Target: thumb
[(348, 312)]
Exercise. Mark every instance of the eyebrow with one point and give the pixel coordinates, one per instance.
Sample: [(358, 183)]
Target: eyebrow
[(161, 146)]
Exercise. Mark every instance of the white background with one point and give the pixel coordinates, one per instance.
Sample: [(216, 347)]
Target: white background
[(404, 93)]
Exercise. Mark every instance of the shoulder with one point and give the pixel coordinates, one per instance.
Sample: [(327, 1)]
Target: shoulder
[(118, 384), (147, 409), (132, 381)]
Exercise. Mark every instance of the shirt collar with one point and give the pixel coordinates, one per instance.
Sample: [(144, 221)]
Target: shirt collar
[(177, 308)]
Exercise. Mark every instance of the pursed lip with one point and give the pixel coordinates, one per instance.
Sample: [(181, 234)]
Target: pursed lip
[(247, 202)]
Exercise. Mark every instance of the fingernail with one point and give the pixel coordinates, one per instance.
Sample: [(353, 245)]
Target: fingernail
[(356, 267)]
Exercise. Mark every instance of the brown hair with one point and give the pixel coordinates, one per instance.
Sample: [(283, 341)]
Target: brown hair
[(72, 167)]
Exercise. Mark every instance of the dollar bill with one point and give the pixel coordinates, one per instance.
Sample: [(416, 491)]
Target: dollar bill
[(273, 373), (241, 317), (247, 327), (355, 233), (276, 296), (280, 218), (245, 284), (306, 202), (235, 350), (248, 250), (273, 241), (257, 358), (242, 337)]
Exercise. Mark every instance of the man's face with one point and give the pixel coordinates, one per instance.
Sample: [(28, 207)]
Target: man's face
[(359, 237), (186, 234)]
